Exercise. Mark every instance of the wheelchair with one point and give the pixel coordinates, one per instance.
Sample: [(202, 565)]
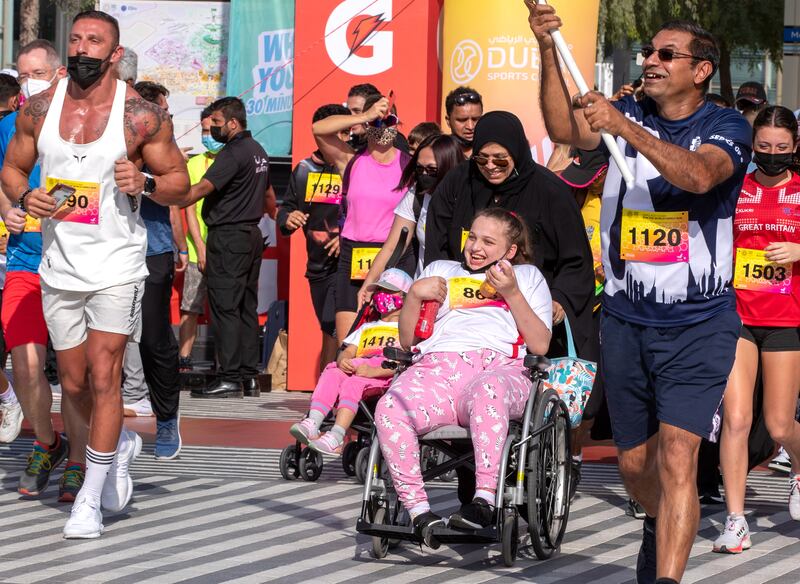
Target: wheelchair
[(533, 483)]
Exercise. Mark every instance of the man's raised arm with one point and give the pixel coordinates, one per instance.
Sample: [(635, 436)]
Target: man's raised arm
[(21, 154)]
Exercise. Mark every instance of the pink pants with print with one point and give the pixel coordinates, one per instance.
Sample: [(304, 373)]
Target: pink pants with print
[(480, 390), (335, 384)]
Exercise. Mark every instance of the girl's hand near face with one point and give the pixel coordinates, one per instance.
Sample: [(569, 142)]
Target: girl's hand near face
[(501, 276)]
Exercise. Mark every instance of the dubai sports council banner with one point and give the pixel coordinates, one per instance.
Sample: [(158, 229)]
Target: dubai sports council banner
[(260, 65), (495, 52)]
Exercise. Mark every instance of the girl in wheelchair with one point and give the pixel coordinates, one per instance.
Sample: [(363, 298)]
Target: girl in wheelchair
[(357, 368), (470, 371)]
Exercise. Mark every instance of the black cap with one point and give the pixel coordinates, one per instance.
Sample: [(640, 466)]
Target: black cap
[(586, 166), (752, 92)]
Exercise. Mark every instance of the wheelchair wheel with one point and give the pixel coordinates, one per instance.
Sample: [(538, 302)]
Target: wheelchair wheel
[(287, 464), (510, 539), (548, 480), (310, 465), (380, 545), (349, 454), (361, 465)]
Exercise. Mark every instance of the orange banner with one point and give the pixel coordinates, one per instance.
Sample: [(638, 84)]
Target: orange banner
[(340, 43), (495, 52)]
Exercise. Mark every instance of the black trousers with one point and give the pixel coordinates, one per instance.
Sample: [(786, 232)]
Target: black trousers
[(233, 261), (158, 346)]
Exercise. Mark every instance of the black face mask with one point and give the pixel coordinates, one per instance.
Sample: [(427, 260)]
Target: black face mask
[(773, 164), (425, 183), (216, 133), (84, 70)]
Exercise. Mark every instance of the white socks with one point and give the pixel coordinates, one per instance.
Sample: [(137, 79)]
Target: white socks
[(487, 496), (97, 466), (338, 433), (316, 416), (9, 397), (419, 509)]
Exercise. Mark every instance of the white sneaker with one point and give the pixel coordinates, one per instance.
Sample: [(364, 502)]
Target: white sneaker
[(781, 462), (735, 537), (118, 488), (85, 520), (141, 408), (11, 423), (794, 497)]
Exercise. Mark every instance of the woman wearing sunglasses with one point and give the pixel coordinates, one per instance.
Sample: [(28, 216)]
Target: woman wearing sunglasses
[(369, 186), (502, 173), (434, 158)]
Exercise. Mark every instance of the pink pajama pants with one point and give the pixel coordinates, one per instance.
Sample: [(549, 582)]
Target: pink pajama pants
[(335, 384), (480, 390)]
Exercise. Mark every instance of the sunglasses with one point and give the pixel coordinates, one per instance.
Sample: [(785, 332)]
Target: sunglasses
[(482, 160), (389, 121), (429, 170), (465, 98), (667, 55)]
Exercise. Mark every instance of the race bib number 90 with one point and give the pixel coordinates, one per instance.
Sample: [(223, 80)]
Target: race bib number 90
[(754, 272), (651, 236), (374, 339), (83, 206), (324, 188), (465, 292)]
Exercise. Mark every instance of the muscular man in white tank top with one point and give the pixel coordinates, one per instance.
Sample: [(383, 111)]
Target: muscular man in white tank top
[(93, 133)]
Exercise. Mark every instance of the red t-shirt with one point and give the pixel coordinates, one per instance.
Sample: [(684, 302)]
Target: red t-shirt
[(763, 216)]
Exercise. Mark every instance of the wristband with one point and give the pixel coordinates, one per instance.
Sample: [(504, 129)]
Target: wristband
[(183, 252), (21, 200)]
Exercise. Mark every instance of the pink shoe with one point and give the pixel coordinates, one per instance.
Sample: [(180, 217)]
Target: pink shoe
[(305, 431), (327, 444)]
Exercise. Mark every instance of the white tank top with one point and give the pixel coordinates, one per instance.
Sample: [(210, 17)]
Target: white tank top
[(94, 241)]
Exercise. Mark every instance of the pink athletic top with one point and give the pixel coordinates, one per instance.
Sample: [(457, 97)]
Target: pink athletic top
[(371, 199)]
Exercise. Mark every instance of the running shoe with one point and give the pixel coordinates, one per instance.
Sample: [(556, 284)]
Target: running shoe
[(735, 538), (475, 515), (168, 438), (781, 462), (635, 510), (85, 520), (118, 488), (305, 431), (794, 497), (423, 526), (711, 496), (71, 482), (11, 423), (327, 444), (141, 408), (41, 462), (646, 562)]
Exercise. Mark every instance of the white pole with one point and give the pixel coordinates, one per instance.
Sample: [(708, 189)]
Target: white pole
[(575, 72)]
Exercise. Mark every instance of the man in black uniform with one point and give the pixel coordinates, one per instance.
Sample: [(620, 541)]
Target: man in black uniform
[(237, 192), (312, 202)]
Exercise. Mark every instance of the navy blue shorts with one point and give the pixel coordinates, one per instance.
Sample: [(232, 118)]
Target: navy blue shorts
[(675, 375)]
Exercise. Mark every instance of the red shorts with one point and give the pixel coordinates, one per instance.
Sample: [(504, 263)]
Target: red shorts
[(22, 315)]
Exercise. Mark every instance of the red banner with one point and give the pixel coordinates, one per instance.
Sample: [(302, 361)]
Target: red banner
[(340, 43)]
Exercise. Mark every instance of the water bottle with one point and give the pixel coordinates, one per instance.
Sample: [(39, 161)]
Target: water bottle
[(427, 316)]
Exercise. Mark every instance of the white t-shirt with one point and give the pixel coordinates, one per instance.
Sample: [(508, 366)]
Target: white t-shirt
[(468, 322), (405, 210), (370, 338)]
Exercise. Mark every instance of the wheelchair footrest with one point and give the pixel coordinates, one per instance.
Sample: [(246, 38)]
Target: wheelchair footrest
[(449, 535), (383, 530)]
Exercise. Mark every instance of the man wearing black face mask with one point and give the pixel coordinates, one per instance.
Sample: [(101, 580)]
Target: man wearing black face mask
[(92, 134), (237, 192)]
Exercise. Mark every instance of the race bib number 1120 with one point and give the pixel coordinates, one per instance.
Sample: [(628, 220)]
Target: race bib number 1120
[(651, 236)]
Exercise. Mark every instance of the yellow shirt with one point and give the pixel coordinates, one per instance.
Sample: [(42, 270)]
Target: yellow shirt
[(591, 219), (197, 167)]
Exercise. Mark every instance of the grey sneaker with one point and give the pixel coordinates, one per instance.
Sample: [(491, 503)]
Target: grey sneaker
[(735, 538), (168, 439), (41, 462)]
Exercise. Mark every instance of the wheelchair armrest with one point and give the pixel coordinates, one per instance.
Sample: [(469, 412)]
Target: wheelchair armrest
[(537, 362), (397, 354)]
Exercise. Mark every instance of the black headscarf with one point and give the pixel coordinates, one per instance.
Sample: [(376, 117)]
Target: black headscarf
[(505, 129)]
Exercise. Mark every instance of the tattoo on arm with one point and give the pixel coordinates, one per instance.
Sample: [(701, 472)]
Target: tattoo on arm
[(143, 120), (36, 107)]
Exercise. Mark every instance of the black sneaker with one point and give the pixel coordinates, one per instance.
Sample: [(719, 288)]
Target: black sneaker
[(635, 510), (646, 563), (711, 496), (423, 526), (475, 515), (41, 462)]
